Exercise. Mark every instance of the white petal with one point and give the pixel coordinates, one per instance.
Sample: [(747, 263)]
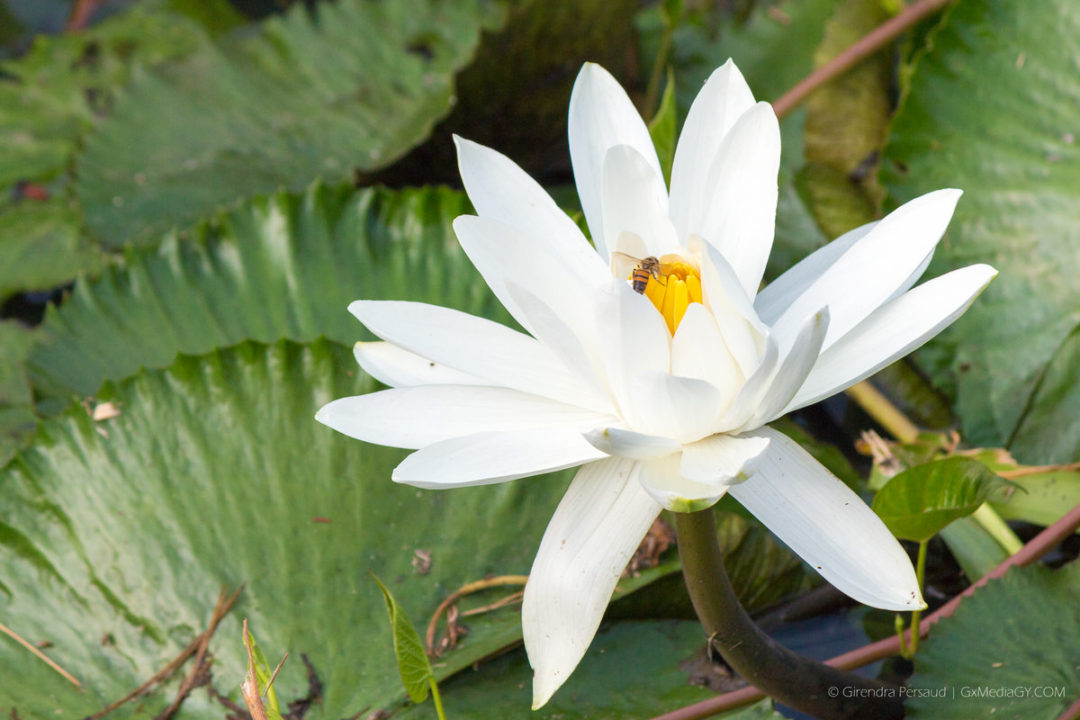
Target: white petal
[(634, 200), (413, 417), (502, 191), (722, 101), (507, 258), (685, 409), (749, 396), (828, 526), (792, 371), (739, 212), (395, 367), (777, 296), (593, 534), (578, 352), (722, 459), (875, 268), (698, 350), (631, 445), (743, 333), (492, 352), (601, 117), (664, 482), (493, 457), (893, 331), (634, 340)]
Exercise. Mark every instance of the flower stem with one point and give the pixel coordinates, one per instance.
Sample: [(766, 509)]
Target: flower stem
[(437, 699), (997, 528), (1035, 549), (804, 684), (920, 575)]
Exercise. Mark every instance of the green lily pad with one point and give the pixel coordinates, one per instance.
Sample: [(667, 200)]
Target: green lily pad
[(1011, 650), (349, 87), (17, 417), (214, 473), (284, 266), (633, 670), (917, 503), (1009, 144)]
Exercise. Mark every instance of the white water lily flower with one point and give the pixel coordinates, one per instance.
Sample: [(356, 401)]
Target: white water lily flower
[(662, 396)]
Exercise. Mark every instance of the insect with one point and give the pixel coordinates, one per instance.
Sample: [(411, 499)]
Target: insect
[(644, 268)]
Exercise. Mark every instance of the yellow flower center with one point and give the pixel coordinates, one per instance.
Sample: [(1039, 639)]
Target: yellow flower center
[(675, 285)]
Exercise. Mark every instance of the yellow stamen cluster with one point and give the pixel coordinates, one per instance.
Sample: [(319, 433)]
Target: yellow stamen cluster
[(679, 284)]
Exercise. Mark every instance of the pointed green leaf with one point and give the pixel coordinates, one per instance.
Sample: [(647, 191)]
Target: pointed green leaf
[(263, 675), (412, 661), (917, 503)]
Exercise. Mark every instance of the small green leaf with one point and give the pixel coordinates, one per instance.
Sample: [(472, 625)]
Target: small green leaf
[(412, 660), (917, 503), (264, 673), (662, 127)]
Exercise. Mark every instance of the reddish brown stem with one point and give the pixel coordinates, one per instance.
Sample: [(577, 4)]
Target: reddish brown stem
[(80, 14), (1036, 548), (867, 45)]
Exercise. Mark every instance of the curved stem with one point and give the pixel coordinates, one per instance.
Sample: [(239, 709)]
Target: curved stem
[(920, 574), (804, 684), (1032, 551)]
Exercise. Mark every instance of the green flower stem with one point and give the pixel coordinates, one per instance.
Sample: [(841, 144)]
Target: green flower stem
[(437, 699), (804, 684), (997, 528), (920, 575)]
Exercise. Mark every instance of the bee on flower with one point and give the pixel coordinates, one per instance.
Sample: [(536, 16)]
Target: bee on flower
[(652, 357)]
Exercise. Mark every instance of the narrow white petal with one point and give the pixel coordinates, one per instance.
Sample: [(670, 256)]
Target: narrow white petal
[(502, 191), (631, 445), (493, 457), (601, 117), (722, 101), (722, 459), (486, 349), (792, 370), (634, 199), (698, 351), (593, 534), (828, 526), (739, 211), (396, 367), (735, 316), (777, 296), (749, 396), (685, 409), (507, 258), (664, 482), (579, 353), (875, 268), (413, 417), (893, 331), (634, 340)]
